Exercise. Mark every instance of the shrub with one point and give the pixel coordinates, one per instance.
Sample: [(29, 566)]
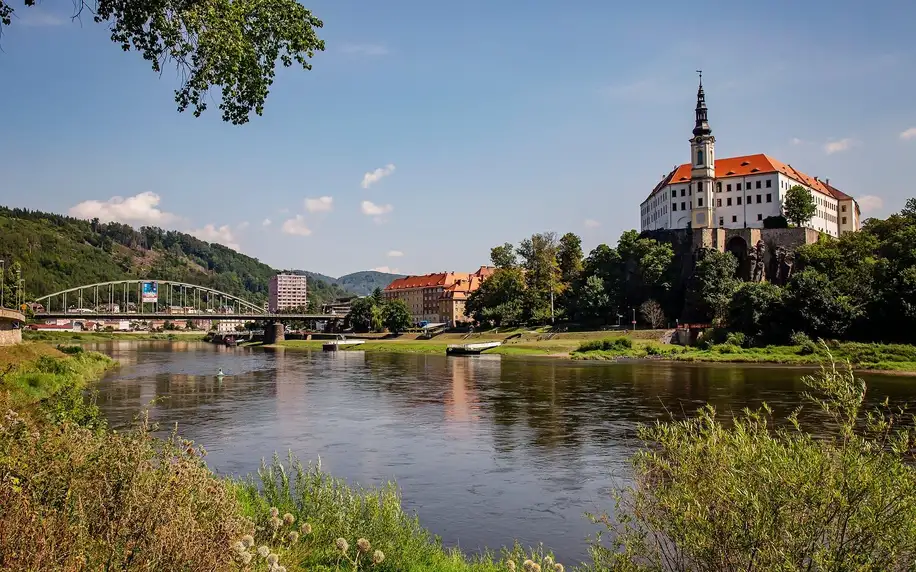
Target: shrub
[(736, 339), (741, 494), (619, 343), (72, 350), (74, 498), (726, 348), (800, 339)]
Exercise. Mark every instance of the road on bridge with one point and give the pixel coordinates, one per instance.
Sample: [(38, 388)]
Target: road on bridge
[(185, 317)]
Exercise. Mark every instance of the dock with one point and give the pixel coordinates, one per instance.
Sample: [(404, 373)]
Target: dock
[(470, 349)]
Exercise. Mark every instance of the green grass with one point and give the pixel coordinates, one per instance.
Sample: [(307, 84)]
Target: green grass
[(887, 357), (46, 336), (33, 372), (322, 509)]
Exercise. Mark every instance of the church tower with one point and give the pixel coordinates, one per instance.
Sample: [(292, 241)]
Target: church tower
[(703, 167)]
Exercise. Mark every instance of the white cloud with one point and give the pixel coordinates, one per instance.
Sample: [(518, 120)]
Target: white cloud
[(372, 177), (870, 203), (243, 225), (797, 141), (395, 253), (838, 146), (365, 49), (319, 205), (371, 209), (140, 209), (221, 235), (296, 226), (591, 223), (266, 222), (909, 134), (386, 270)]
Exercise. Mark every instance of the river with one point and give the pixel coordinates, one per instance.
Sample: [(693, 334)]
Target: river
[(485, 449)]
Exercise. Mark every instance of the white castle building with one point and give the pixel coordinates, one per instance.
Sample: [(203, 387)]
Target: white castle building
[(738, 192)]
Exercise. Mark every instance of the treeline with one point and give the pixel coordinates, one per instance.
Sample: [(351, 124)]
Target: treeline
[(860, 286), (58, 252)]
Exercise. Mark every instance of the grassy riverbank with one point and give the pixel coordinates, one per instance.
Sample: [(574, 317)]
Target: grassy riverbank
[(642, 345), (48, 336), (886, 357), (78, 496)]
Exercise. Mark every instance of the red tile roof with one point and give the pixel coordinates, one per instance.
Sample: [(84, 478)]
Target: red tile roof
[(425, 281), (748, 165)]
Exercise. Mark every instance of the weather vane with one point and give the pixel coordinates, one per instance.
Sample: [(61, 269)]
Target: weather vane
[(701, 74)]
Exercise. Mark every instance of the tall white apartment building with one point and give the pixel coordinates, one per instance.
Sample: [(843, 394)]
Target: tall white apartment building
[(738, 192), (287, 291)]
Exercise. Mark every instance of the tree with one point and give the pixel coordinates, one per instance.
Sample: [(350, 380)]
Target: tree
[(593, 303), (815, 306), (755, 310), (798, 207), (711, 285), (396, 316), (503, 256), (361, 314), (233, 45), (569, 258), (498, 301), (189, 325), (646, 264), (542, 274), (652, 312)]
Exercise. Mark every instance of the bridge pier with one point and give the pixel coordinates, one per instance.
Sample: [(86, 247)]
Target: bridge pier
[(274, 332)]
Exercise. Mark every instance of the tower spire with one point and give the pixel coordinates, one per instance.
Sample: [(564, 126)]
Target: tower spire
[(702, 124)]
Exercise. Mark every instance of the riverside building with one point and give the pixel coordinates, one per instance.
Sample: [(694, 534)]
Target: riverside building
[(737, 192), (287, 291)]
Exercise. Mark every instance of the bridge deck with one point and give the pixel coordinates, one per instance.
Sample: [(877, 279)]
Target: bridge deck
[(185, 317)]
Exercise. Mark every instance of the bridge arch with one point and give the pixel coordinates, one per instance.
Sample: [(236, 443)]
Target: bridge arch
[(125, 293)]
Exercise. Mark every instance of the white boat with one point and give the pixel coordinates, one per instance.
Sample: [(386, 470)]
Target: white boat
[(471, 349), (335, 345)]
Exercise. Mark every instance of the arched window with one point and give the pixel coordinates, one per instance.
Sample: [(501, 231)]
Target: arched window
[(699, 156)]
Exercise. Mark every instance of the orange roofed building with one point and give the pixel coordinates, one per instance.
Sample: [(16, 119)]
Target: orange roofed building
[(439, 297), (738, 192)]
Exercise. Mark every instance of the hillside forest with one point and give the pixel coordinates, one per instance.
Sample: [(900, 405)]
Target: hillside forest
[(57, 252)]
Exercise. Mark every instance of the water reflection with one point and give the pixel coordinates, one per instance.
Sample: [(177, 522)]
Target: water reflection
[(485, 449)]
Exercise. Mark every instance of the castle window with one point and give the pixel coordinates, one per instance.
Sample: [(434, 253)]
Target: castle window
[(843, 208), (738, 187), (718, 187), (683, 192), (769, 198), (728, 188), (844, 220), (728, 202), (674, 206), (739, 200), (721, 221), (758, 184), (699, 201), (699, 156), (759, 216), (683, 206), (769, 183), (734, 218), (673, 193), (759, 199), (718, 202)]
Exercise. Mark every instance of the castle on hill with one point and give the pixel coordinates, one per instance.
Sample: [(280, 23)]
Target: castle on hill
[(737, 192)]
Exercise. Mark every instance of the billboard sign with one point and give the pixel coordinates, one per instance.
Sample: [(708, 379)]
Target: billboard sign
[(150, 292)]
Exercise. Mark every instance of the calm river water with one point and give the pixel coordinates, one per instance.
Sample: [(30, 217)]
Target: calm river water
[(485, 449)]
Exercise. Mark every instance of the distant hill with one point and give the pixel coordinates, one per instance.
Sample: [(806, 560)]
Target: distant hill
[(59, 252), (361, 283), (364, 282)]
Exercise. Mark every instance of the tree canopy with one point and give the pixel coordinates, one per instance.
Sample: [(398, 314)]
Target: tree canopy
[(798, 206), (232, 45)]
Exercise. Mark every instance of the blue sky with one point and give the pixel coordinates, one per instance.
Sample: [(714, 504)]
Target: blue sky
[(479, 122)]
